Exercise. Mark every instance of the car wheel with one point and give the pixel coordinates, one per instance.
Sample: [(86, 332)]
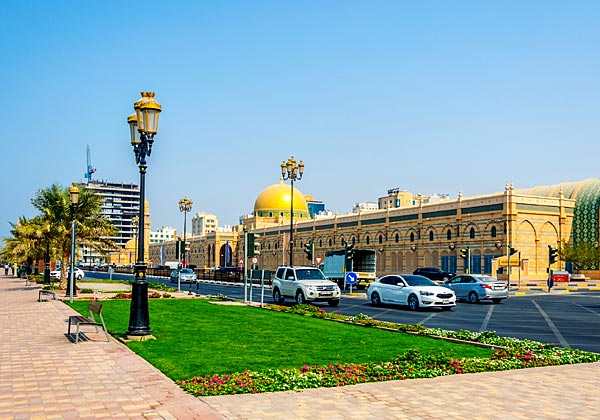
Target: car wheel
[(473, 298), (496, 300), (277, 297), (334, 303), (79, 277), (375, 299), (300, 298), (413, 302)]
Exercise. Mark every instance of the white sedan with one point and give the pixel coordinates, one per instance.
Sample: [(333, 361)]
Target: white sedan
[(412, 290), (78, 273)]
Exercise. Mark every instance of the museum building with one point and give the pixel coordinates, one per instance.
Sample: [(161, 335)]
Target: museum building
[(418, 233)]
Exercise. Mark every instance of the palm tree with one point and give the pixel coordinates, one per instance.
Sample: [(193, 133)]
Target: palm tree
[(92, 228), (30, 237)]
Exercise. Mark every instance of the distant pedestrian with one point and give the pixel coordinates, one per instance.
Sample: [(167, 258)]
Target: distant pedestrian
[(6, 269)]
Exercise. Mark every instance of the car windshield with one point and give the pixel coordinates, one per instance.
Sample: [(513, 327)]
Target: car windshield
[(186, 271), (309, 274), (418, 281), (486, 279)]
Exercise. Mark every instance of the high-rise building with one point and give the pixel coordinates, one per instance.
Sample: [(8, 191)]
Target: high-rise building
[(120, 202)]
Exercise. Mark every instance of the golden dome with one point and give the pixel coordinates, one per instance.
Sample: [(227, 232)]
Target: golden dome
[(276, 199)]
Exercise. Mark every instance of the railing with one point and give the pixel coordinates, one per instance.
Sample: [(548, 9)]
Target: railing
[(202, 274)]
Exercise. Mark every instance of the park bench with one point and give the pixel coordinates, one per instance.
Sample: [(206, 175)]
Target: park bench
[(47, 293), (94, 307)]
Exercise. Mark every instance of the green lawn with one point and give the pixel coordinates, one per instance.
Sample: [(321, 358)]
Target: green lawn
[(197, 338)]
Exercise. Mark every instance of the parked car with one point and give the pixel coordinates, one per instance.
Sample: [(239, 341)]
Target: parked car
[(476, 287), (187, 276), (433, 273), (304, 285), (79, 274), (412, 290)]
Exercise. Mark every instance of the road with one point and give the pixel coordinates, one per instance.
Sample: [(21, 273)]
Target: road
[(569, 320)]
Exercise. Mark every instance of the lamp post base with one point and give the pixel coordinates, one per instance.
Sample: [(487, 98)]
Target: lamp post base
[(139, 318)]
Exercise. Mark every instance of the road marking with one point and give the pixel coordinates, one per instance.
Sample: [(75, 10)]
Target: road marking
[(557, 333), (587, 309), (426, 319), (487, 319)]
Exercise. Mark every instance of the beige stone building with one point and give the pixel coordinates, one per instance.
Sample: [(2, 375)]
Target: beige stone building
[(419, 234)]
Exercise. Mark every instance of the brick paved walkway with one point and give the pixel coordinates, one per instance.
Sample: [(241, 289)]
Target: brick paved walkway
[(45, 376)]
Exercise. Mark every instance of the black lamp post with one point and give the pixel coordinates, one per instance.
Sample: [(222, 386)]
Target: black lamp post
[(74, 199), (135, 223), (292, 171), (143, 126), (185, 205)]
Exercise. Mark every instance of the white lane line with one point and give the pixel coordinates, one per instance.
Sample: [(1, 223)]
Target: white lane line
[(587, 309), (487, 319), (426, 319), (557, 333)]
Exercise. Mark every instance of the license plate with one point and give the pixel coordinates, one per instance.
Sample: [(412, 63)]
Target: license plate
[(445, 301), (326, 294)]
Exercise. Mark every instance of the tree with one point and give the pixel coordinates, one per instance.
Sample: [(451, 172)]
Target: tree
[(582, 255), (51, 230)]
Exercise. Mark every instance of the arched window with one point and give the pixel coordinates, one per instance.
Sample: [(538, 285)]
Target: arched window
[(353, 240), (431, 235), (412, 236), (343, 242), (380, 239), (368, 240), (449, 234), (472, 233), (397, 238), (320, 243), (330, 242), (494, 231)]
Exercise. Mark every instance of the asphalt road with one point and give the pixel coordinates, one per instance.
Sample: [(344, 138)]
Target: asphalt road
[(569, 320)]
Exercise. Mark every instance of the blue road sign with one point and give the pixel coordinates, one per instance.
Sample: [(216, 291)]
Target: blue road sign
[(351, 277)]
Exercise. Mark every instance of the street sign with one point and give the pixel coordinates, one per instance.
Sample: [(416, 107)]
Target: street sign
[(241, 262), (254, 260), (351, 277), (318, 260)]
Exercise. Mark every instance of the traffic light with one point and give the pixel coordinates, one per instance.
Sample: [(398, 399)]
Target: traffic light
[(552, 254), (464, 253), (349, 253), (308, 250), (253, 245), (511, 250)]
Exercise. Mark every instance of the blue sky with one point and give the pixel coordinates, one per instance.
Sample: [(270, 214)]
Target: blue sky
[(428, 96)]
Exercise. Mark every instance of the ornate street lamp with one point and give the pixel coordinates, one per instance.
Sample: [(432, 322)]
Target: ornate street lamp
[(74, 199), (185, 205), (292, 171), (143, 126)]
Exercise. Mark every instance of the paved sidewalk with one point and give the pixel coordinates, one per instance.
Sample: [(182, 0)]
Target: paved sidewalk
[(43, 375)]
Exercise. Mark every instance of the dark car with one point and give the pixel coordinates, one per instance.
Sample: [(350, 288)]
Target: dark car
[(434, 274)]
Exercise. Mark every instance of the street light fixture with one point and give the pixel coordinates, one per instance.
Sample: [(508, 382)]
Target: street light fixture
[(74, 199), (292, 171), (185, 205), (143, 126)]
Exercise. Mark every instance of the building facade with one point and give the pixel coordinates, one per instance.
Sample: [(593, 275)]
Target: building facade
[(203, 223), (423, 233)]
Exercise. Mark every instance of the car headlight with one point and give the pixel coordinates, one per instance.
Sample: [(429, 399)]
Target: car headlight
[(426, 293), (311, 289)]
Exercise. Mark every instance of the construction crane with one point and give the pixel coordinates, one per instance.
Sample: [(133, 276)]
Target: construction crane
[(90, 170)]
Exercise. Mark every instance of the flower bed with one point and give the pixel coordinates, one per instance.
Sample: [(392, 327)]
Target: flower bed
[(509, 353)]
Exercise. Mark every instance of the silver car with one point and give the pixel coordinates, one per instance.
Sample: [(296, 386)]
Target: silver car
[(187, 276), (476, 287)]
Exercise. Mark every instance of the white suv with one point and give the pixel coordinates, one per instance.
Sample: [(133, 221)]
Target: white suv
[(304, 285)]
